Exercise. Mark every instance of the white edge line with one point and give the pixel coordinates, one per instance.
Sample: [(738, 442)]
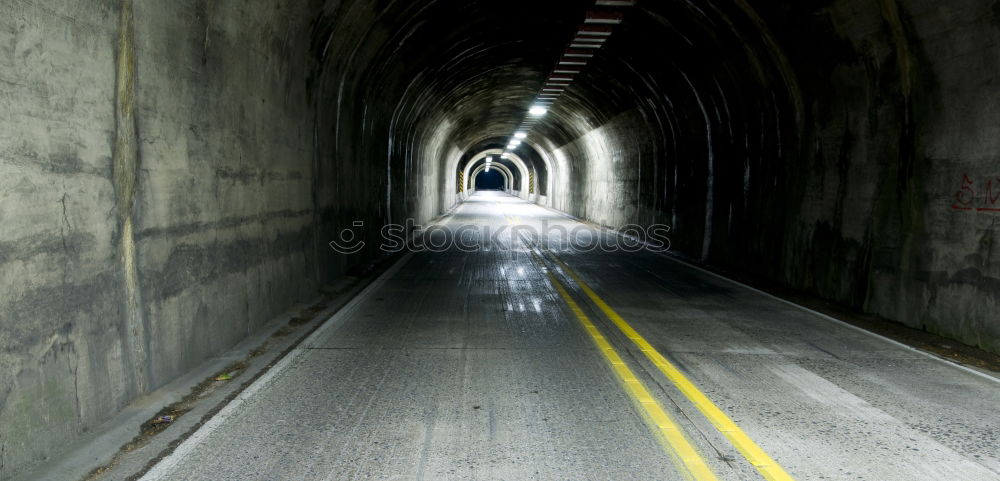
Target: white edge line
[(162, 468), (827, 317)]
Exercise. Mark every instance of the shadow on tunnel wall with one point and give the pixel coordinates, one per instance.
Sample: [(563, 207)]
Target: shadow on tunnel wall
[(172, 175)]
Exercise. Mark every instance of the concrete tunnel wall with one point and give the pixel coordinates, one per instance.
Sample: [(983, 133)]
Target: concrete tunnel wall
[(156, 171), (172, 172)]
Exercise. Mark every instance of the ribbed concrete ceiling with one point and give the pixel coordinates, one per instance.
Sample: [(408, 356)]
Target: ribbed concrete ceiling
[(469, 70), (478, 63)]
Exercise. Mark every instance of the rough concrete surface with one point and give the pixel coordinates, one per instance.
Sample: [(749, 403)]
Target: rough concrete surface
[(156, 210)]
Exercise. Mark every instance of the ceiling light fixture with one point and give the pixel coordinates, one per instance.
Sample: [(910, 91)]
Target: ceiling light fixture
[(589, 37)]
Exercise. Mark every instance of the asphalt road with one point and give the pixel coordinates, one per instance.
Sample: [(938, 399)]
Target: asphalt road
[(525, 359)]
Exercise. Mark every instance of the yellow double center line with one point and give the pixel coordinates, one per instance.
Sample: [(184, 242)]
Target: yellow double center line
[(765, 465), (667, 429), (661, 423)]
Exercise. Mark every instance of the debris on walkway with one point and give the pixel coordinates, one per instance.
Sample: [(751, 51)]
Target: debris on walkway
[(162, 420)]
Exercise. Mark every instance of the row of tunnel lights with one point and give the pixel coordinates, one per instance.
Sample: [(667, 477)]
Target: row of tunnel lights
[(516, 141), (597, 27)]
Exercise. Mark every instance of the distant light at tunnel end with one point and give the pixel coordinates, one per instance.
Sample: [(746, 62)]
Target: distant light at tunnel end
[(538, 110), (520, 135)]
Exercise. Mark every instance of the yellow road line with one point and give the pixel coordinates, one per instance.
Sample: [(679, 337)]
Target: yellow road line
[(669, 433), (767, 467)]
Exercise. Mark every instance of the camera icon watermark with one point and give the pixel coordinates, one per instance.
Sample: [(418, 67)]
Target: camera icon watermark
[(349, 242)]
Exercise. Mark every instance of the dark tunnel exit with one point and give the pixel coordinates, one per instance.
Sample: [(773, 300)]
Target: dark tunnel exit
[(490, 180)]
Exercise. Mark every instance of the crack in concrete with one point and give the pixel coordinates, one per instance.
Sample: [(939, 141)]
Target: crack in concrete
[(208, 23), (66, 225)]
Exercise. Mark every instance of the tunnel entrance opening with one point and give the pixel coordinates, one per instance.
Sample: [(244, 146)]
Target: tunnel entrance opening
[(525, 168), (490, 180)]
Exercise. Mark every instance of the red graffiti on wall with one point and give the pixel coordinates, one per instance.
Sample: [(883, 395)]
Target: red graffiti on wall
[(967, 199)]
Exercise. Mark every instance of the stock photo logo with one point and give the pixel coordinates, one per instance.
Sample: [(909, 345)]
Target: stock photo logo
[(472, 238)]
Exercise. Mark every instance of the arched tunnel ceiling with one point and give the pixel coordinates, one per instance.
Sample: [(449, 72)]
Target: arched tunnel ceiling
[(403, 91), (478, 63), (524, 151), (470, 70)]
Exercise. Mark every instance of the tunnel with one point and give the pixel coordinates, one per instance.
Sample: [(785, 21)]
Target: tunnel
[(440, 239)]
